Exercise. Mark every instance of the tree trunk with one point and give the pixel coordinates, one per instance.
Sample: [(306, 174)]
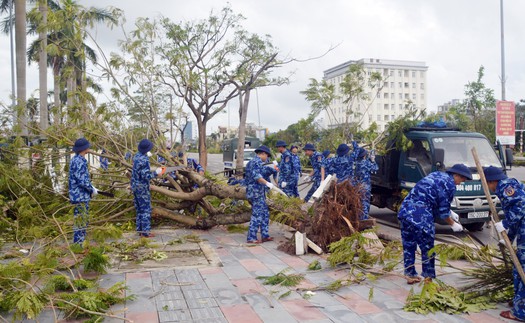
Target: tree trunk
[(202, 223), (20, 40), (56, 93), (42, 67), (244, 100), (70, 97), (203, 151)]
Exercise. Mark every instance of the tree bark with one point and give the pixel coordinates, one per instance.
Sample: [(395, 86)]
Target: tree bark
[(57, 118), (203, 151), (20, 40), (42, 67), (202, 223), (244, 100)]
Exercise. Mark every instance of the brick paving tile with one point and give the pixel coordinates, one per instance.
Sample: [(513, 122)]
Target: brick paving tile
[(248, 286), (306, 285), (483, 317), (209, 313), (143, 275), (210, 270), (240, 313), (302, 310), (253, 264), (399, 294), (150, 317), (258, 250), (358, 304), (294, 262)]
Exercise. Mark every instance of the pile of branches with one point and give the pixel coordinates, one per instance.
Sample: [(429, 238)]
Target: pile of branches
[(333, 217)]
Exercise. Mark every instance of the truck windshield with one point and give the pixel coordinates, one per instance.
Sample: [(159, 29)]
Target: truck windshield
[(458, 151), (249, 155)]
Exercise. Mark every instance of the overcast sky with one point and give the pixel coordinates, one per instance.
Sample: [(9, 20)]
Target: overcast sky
[(453, 37)]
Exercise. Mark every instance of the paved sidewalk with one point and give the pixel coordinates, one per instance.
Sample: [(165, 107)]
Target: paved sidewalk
[(231, 292)]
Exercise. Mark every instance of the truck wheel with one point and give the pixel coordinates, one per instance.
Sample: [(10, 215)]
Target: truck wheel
[(478, 226)]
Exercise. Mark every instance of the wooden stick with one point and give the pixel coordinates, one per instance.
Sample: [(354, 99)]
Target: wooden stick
[(495, 217)]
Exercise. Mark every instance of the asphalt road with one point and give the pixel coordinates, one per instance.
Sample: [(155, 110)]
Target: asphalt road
[(486, 235)]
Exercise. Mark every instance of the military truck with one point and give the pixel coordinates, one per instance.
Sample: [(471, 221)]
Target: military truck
[(437, 149), (229, 153)]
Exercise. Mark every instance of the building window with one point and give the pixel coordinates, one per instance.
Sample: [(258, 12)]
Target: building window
[(393, 106), (385, 106), (369, 118), (378, 95), (406, 96), (406, 73), (401, 96), (385, 71), (386, 117), (400, 107), (385, 84), (422, 86), (400, 84), (413, 96), (391, 73), (422, 74), (392, 95), (413, 73), (413, 85), (399, 73), (406, 85), (392, 117), (392, 84)]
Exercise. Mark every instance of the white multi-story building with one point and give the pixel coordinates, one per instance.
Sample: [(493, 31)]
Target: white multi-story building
[(403, 82), (446, 106)]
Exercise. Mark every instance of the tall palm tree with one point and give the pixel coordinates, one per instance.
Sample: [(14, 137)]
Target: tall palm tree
[(42, 65)]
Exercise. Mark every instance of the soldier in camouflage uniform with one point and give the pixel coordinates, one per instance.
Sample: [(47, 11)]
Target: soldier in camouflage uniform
[(364, 167), (342, 165), (191, 163), (140, 178), (256, 194), (428, 200), (511, 193), (287, 172), (316, 160), (80, 189), (297, 169)]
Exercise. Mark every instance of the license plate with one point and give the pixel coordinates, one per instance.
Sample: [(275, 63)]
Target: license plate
[(477, 215)]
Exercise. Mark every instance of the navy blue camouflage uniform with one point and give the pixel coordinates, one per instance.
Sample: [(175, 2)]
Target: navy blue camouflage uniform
[(80, 191), (364, 167), (429, 199), (316, 160), (297, 169), (256, 195), (512, 196), (140, 178), (341, 166), (287, 173)]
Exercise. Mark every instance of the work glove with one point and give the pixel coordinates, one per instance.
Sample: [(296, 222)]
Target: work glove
[(283, 184), (307, 178), (454, 216), (95, 191), (160, 171), (269, 185), (275, 165), (456, 227), (502, 242), (499, 227), (149, 154)]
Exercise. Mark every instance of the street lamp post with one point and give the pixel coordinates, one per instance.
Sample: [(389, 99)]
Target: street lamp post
[(502, 53)]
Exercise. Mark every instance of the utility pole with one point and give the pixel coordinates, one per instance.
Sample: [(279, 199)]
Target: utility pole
[(503, 78)]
